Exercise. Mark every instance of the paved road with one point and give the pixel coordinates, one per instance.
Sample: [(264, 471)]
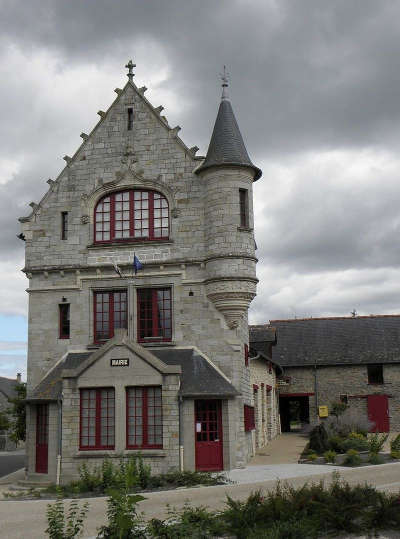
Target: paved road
[(26, 519), (11, 461)]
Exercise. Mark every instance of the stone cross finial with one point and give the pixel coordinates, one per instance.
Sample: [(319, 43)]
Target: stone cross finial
[(130, 65), (225, 79)]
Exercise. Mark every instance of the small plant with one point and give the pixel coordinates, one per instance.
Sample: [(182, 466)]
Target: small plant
[(65, 526), (395, 443), (123, 520), (330, 456), (319, 439), (312, 456), (355, 441), (352, 458), (395, 454), (376, 442), (375, 458)]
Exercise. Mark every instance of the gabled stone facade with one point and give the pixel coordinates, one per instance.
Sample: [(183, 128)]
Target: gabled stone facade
[(206, 262)]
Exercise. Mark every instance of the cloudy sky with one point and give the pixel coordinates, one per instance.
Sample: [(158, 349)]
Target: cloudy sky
[(315, 85)]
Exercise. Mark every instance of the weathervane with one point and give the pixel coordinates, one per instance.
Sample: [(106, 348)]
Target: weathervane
[(225, 79), (130, 65)]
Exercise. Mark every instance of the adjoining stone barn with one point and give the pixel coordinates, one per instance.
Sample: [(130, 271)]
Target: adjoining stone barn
[(355, 360), (141, 266)]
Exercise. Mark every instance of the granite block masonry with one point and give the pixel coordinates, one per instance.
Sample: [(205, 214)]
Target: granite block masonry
[(179, 325)]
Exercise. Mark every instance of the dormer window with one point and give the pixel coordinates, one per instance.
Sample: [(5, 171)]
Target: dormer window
[(132, 215)]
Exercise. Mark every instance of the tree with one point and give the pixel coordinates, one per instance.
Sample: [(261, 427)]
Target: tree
[(18, 414), (4, 422)]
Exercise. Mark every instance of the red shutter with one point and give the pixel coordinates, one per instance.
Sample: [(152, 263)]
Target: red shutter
[(249, 420)]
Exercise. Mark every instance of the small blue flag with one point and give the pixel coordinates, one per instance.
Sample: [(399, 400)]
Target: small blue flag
[(137, 265)]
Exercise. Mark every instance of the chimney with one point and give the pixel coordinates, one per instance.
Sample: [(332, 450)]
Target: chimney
[(18, 377)]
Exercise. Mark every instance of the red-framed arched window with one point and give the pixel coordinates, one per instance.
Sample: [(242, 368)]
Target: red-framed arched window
[(132, 215)]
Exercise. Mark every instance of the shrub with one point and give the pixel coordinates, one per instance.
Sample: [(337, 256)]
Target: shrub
[(352, 458), (61, 526), (395, 443), (395, 454), (319, 439), (376, 442), (375, 458), (312, 456), (123, 520), (330, 456), (336, 444), (350, 421), (357, 443)]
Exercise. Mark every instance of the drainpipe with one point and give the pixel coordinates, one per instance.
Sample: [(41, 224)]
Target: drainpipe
[(180, 405), (316, 389), (59, 439)]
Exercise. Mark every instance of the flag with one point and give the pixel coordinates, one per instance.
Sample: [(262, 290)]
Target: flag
[(137, 265), (117, 269)]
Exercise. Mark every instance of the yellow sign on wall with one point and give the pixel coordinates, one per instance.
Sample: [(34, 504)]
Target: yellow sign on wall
[(323, 411)]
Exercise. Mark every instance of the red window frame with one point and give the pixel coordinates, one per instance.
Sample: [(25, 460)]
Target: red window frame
[(154, 314), (144, 421), (142, 214), (114, 316), (92, 401), (249, 419), (64, 321)]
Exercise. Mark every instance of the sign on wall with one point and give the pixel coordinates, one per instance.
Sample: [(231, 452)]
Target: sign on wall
[(119, 362)]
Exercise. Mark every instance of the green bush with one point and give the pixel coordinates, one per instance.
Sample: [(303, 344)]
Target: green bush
[(336, 444), (330, 456), (319, 439), (65, 526), (375, 458), (123, 520), (312, 456), (356, 443), (395, 454), (352, 458), (376, 442), (395, 443)]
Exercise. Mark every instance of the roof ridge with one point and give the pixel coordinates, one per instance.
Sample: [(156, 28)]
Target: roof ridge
[(332, 318)]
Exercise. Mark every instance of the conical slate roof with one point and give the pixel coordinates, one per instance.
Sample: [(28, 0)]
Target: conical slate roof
[(226, 145)]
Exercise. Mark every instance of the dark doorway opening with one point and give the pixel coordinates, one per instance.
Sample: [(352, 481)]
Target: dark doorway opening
[(294, 412)]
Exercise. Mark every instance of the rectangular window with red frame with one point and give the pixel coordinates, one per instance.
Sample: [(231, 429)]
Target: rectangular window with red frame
[(144, 428), (249, 420), (154, 307), (63, 316), (97, 414), (110, 313)]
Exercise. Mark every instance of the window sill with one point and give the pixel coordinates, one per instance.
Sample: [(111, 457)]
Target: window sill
[(156, 344), (112, 453), (376, 383), (129, 244), (245, 229)]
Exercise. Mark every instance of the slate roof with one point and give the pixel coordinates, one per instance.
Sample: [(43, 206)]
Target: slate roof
[(7, 387), (199, 378), (226, 145), (49, 388), (337, 341)]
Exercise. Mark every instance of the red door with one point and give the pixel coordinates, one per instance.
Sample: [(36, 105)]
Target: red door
[(42, 437), (378, 412), (208, 433)]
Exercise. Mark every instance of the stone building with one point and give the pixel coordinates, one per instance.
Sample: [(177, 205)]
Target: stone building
[(355, 360), (125, 359), (7, 391), (263, 376)]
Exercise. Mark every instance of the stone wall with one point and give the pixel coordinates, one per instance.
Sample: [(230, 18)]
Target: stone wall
[(265, 401), (350, 380)]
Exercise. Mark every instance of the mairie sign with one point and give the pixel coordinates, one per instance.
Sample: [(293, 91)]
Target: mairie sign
[(119, 362)]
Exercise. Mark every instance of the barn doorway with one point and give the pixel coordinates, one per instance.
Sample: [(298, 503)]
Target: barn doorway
[(294, 412)]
